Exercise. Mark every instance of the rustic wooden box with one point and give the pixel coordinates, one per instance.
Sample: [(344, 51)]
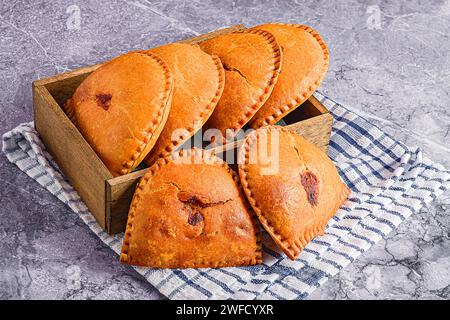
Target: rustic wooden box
[(109, 198)]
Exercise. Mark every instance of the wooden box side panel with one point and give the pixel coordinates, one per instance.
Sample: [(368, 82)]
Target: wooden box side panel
[(119, 194), (86, 173), (309, 109), (316, 130), (315, 127)]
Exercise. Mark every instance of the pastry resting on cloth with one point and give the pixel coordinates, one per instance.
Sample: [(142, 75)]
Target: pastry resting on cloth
[(121, 108), (189, 211), (305, 63), (252, 61), (292, 185), (198, 84)]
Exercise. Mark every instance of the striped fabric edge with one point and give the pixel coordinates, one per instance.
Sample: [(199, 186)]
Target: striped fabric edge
[(377, 205), (410, 159)]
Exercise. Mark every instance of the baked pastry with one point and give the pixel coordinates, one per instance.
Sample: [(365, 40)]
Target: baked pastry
[(305, 63), (70, 112), (252, 62), (122, 107), (189, 211), (198, 84), (294, 191)]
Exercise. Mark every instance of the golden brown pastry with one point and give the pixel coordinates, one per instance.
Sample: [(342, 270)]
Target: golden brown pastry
[(305, 63), (122, 107), (252, 61), (198, 84), (295, 191), (70, 112), (189, 211)]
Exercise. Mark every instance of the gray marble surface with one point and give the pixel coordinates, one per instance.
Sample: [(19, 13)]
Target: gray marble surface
[(390, 62)]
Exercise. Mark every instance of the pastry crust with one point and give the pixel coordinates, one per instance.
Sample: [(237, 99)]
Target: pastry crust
[(122, 107), (70, 112), (305, 63), (295, 203), (190, 214), (198, 84), (252, 62)]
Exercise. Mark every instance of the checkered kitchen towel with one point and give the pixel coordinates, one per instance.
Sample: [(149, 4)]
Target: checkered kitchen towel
[(389, 182)]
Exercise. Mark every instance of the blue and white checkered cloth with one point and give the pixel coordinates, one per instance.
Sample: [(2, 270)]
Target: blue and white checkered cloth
[(389, 182)]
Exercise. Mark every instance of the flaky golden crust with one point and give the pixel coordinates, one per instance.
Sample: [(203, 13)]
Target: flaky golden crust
[(122, 107), (305, 63), (198, 84), (294, 202), (252, 62), (190, 215)]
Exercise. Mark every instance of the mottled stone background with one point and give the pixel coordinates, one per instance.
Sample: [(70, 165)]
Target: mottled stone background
[(390, 61)]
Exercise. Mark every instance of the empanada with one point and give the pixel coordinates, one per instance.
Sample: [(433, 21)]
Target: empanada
[(122, 107), (305, 63), (198, 84), (292, 185), (189, 211), (252, 62)]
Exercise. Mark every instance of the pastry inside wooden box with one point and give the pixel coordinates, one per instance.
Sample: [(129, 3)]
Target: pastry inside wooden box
[(195, 94), (189, 210), (121, 108), (252, 63)]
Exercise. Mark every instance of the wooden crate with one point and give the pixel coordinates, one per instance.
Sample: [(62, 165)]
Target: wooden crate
[(109, 198)]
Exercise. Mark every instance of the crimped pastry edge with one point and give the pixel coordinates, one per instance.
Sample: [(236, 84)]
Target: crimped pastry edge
[(267, 90), (199, 121), (284, 110), (129, 165), (294, 249), (125, 257)]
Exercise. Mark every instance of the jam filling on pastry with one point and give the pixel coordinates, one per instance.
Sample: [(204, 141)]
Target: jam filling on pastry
[(294, 202), (195, 205), (190, 215), (311, 186), (123, 130), (104, 100), (195, 218)]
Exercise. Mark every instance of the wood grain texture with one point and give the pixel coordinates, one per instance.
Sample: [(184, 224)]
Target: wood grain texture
[(119, 193), (316, 130), (74, 156), (311, 120)]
